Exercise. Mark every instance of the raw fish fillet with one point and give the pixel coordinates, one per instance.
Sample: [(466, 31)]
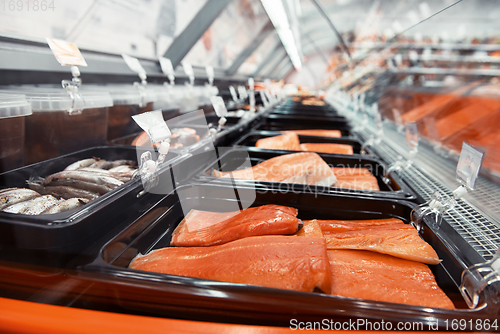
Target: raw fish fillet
[(327, 148), (362, 182), (310, 228), (397, 240), (283, 262), (369, 275), (288, 141), (335, 226), (317, 133), (350, 171), (303, 168), (202, 228)]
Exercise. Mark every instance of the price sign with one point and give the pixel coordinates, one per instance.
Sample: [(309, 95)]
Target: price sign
[(469, 165), (67, 54), (233, 93), (219, 106)]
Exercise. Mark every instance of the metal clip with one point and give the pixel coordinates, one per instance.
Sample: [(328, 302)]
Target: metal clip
[(400, 165), (149, 168), (481, 282), (71, 87)]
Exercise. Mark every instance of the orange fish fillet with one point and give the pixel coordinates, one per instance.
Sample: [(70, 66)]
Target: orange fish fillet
[(373, 276), (302, 168), (400, 241), (363, 182), (202, 228), (327, 148), (335, 226), (350, 171), (281, 262), (310, 228), (288, 141), (317, 133)]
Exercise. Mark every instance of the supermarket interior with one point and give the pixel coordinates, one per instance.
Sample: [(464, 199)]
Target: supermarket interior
[(216, 166)]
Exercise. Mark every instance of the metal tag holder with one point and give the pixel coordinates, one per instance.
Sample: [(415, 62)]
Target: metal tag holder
[(72, 88)]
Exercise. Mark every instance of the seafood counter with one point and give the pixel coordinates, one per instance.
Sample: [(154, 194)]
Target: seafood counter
[(290, 221)]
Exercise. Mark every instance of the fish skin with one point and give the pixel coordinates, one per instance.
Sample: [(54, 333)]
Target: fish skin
[(288, 141), (302, 168), (283, 262), (32, 207), (108, 181), (198, 227), (81, 164), (327, 148), (369, 275), (16, 195), (89, 186), (65, 205), (400, 241)]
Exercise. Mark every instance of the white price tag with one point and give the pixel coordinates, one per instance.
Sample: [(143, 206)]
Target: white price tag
[(219, 106), (251, 84), (134, 64), (242, 91), (233, 93), (469, 165), (67, 54), (411, 134), (188, 69)]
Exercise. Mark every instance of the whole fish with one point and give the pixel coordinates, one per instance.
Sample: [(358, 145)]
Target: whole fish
[(7, 189), (92, 187), (65, 192), (116, 163), (16, 195), (81, 164), (32, 207), (66, 205), (84, 176), (121, 176)]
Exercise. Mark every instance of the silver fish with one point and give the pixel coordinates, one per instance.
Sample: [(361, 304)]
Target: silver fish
[(122, 169), (116, 163), (66, 205), (65, 192), (32, 207), (81, 164), (16, 195), (85, 176), (93, 187)]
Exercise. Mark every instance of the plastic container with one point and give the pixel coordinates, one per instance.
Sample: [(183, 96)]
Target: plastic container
[(13, 112), (168, 295), (286, 122), (250, 139), (70, 232), (52, 130), (234, 159)]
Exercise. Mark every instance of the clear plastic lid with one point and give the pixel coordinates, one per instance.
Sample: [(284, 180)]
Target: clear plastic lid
[(44, 99), (128, 94), (14, 105)]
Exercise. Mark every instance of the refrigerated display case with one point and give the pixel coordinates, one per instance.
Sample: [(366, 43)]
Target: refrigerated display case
[(359, 74)]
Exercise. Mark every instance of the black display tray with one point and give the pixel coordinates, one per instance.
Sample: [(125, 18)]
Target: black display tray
[(250, 139), (306, 111), (285, 122), (198, 299), (63, 231), (233, 159)]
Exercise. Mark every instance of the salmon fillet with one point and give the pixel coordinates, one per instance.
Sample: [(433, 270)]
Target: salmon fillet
[(282, 262), (373, 276), (302, 168), (203, 228), (316, 133), (327, 148), (361, 182), (350, 171), (400, 241), (288, 141), (335, 226), (310, 228)]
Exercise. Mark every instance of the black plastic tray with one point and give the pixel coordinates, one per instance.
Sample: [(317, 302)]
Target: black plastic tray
[(63, 231), (199, 299), (284, 122), (306, 111), (250, 139), (237, 157)]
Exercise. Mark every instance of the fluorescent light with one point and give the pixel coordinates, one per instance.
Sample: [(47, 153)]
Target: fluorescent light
[(277, 14)]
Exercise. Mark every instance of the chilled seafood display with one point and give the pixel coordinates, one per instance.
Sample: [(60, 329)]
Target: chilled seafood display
[(316, 133), (76, 185), (290, 141), (180, 138)]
